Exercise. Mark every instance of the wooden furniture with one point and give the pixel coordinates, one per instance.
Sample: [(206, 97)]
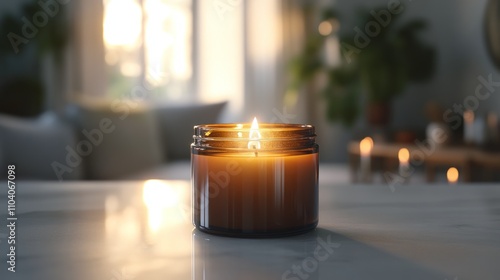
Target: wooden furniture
[(135, 230), (385, 157)]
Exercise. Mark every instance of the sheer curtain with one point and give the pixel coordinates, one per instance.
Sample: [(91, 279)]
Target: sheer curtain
[(90, 67), (220, 54)]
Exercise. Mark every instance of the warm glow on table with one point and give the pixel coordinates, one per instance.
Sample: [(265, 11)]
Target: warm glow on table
[(162, 199)]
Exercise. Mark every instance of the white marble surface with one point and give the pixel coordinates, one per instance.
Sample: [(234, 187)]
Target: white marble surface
[(124, 231)]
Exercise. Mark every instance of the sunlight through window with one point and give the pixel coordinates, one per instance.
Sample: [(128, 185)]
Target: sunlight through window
[(157, 55), (122, 23)]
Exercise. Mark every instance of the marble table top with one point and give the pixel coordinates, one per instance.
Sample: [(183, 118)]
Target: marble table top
[(142, 230)]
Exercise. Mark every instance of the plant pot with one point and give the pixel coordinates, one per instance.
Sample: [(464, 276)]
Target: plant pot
[(378, 113)]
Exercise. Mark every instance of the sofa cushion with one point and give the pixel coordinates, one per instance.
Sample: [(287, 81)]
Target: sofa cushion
[(124, 139), (38, 148), (177, 122)]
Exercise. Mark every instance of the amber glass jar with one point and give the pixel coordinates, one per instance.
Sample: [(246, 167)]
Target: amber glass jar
[(252, 183)]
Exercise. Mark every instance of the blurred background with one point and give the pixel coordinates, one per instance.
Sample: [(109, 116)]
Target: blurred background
[(110, 89)]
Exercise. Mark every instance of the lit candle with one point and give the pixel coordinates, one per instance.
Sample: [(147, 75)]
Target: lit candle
[(404, 162), (255, 181), (365, 149), (452, 175), (469, 126)]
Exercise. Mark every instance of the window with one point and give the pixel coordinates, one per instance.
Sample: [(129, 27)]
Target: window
[(149, 42), (190, 51)]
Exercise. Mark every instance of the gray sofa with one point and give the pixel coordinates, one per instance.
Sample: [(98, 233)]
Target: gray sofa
[(104, 141)]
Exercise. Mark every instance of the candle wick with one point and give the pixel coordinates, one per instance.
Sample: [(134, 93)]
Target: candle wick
[(255, 152)]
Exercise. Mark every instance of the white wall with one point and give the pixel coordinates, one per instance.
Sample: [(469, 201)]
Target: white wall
[(263, 78), (456, 30)]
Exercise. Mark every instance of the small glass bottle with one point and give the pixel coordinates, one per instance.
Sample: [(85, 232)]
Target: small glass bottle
[(255, 183)]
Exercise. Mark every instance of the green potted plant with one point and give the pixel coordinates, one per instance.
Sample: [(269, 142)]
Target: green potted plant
[(381, 70)]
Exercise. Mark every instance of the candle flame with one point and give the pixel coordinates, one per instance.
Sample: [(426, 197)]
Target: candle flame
[(255, 124), (254, 135), (404, 155), (365, 146), (452, 175)]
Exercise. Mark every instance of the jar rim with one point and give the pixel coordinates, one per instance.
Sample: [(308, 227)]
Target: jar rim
[(240, 132), (262, 126), (272, 137)]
